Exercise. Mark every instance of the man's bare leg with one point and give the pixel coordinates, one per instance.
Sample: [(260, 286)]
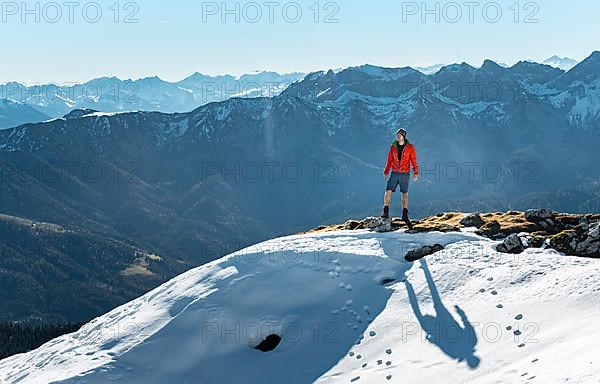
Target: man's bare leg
[(405, 200), (387, 199), (386, 204)]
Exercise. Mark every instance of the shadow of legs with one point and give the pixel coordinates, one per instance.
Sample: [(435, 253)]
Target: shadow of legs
[(455, 340)]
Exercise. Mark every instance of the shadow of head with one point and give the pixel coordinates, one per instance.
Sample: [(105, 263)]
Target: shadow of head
[(473, 361)]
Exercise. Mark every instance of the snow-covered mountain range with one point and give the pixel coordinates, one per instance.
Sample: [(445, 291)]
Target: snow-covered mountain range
[(563, 63), (39, 102), (111, 94), (344, 307)]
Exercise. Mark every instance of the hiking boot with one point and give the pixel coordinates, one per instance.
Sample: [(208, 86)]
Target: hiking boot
[(386, 213), (405, 214)]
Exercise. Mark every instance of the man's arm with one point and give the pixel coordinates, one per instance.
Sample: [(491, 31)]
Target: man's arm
[(390, 161), (413, 161)]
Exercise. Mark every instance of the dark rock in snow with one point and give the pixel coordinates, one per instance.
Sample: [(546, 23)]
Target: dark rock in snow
[(379, 224), (269, 344), (420, 253), (589, 244), (512, 244), (472, 220), (532, 241)]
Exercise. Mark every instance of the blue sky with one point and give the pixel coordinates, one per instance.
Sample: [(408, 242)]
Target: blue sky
[(176, 38)]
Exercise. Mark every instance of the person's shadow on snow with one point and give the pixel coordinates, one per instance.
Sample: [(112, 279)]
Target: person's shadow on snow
[(456, 341)]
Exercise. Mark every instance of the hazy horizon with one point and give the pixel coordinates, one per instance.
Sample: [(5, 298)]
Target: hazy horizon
[(175, 80)]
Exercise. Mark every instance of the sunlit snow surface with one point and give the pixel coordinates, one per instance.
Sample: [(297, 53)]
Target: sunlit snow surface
[(441, 320)]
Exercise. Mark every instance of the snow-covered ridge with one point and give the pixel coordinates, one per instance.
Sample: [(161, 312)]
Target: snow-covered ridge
[(111, 94), (348, 309), (107, 114)]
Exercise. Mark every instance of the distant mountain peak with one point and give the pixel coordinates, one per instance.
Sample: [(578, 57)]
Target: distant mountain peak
[(594, 56), (430, 70), (491, 65), (457, 67), (564, 63), (151, 79)]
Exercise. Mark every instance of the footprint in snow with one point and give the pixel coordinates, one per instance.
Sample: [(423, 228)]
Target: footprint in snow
[(494, 293), (372, 334), (389, 377), (519, 317), (388, 351), (379, 362), (388, 363), (355, 379), (517, 333), (499, 306), (364, 365)]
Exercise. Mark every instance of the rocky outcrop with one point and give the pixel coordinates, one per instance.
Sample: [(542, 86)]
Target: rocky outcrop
[(575, 235), (583, 240)]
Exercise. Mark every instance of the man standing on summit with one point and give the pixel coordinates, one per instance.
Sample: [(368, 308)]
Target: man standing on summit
[(402, 154)]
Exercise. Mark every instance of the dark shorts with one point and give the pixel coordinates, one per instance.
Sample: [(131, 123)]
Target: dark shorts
[(398, 178)]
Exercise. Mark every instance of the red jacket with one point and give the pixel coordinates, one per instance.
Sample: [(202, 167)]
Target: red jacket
[(409, 157)]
